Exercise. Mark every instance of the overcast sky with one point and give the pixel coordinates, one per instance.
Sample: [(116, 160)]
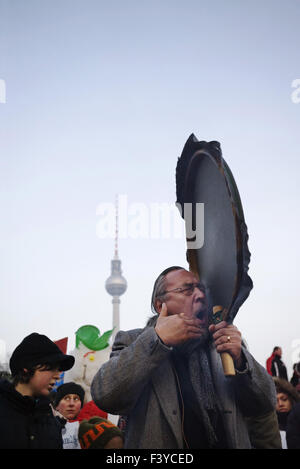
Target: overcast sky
[(97, 98)]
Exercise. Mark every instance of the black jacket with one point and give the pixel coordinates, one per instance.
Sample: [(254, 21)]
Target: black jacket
[(293, 428), (278, 368), (26, 422)]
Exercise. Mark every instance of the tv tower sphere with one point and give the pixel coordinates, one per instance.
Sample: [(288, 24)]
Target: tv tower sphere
[(116, 284)]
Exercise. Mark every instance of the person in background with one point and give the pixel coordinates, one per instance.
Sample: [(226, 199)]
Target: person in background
[(269, 362), (278, 368), (295, 379), (68, 401), (287, 397), (87, 410), (26, 417)]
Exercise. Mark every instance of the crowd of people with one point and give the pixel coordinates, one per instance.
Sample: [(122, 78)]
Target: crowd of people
[(165, 382), (288, 399), (34, 416)]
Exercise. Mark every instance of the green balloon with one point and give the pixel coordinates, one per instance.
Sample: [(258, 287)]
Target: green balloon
[(91, 338)]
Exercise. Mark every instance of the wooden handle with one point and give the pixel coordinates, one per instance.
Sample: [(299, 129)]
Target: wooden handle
[(219, 314), (228, 365)]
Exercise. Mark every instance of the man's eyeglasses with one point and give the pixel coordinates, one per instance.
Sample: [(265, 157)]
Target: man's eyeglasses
[(187, 289)]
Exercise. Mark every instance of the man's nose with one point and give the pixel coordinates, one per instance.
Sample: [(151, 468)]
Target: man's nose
[(199, 292)]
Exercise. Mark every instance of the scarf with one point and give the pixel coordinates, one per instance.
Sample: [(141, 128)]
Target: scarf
[(201, 380)]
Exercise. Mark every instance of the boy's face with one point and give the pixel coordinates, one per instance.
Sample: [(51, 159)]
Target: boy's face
[(43, 381), (284, 404), (69, 406)]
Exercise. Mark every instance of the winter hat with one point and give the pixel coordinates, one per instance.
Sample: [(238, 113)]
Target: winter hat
[(37, 349), (68, 388), (97, 432)]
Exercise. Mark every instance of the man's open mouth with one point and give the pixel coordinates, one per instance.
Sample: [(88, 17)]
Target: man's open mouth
[(202, 313)]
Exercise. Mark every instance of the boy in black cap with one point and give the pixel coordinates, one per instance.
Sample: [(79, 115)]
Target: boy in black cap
[(68, 401), (26, 418)]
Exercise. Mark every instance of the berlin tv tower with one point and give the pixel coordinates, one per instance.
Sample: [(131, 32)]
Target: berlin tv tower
[(116, 284)]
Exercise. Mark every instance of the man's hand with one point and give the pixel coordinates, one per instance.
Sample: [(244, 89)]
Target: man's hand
[(221, 333), (177, 328)]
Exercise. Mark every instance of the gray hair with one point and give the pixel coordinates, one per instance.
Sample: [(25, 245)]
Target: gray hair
[(160, 286)]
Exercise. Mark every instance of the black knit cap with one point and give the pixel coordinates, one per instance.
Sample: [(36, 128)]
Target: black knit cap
[(37, 349), (68, 388)]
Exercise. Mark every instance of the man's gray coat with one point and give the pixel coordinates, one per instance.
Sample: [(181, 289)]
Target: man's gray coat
[(138, 382)]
